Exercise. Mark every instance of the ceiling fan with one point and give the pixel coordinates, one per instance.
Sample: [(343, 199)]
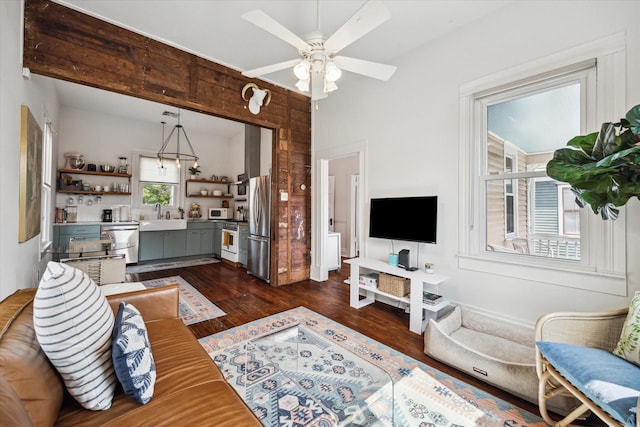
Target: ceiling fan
[(318, 65)]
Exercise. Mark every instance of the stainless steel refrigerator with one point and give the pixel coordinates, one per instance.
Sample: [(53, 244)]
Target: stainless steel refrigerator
[(259, 256)]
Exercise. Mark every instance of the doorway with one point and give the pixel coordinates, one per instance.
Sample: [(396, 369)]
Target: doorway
[(347, 164), (342, 200)]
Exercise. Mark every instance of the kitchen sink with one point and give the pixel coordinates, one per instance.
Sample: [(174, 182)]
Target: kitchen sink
[(162, 224)]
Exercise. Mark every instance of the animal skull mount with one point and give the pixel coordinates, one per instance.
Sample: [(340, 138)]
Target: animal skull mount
[(257, 100)]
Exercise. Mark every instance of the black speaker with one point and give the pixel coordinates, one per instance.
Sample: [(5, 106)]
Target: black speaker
[(403, 258)]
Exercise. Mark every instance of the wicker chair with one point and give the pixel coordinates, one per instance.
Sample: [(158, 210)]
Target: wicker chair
[(597, 330)]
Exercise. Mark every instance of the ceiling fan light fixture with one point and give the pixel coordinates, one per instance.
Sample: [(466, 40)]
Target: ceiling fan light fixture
[(329, 86), (331, 72), (302, 70), (303, 85)]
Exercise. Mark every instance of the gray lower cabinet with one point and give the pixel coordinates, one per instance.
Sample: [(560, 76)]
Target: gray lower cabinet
[(162, 244), (243, 244), (175, 243), (217, 239), (62, 234), (200, 238), (151, 245)]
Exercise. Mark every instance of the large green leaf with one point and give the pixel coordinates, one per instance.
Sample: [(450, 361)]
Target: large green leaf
[(633, 117), (620, 158), (605, 142), (584, 142)]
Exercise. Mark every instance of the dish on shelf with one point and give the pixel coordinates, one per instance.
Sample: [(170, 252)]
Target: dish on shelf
[(217, 192)]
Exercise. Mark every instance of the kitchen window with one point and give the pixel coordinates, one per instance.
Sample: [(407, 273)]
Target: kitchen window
[(156, 185), (516, 221)]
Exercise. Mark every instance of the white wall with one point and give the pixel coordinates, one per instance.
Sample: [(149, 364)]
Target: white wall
[(102, 138), (411, 124), (20, 263), (342, 169)]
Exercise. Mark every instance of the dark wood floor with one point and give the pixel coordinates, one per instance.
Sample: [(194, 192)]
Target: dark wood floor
[(245, 298)]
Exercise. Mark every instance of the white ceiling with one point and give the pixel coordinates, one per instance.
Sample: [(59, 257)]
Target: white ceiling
[(214, 29)]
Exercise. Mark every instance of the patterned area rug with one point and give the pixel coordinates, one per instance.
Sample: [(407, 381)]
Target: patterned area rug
[(331, 381), (144, 268), (194, 307)]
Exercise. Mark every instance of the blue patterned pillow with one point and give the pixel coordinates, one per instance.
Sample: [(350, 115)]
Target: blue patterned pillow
[(132, 358)]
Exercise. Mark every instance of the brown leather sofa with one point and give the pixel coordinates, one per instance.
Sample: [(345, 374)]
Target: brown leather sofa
[(189, 388)]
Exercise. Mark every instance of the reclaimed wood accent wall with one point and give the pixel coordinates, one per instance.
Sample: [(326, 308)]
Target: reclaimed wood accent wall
[(65, 44)]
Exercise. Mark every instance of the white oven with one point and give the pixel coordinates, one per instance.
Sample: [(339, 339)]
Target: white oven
[(220, 213), (229, 249)]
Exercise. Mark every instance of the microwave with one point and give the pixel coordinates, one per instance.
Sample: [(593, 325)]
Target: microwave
[(220, 213)]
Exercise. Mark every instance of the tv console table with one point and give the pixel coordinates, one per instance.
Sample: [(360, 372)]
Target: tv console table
[(418, 279)]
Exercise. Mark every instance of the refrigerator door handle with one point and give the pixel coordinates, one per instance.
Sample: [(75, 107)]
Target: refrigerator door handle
[(256, 207)]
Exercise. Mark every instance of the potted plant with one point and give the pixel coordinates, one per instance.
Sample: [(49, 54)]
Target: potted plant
[(194, 171), (603, 168)]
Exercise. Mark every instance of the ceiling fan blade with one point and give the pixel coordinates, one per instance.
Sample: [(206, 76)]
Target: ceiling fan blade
[(270, 68), (366, 68), (317, 87), (267, 23), (368, 17)]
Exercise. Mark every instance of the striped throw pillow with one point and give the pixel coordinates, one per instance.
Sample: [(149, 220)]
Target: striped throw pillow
[(73, 322)]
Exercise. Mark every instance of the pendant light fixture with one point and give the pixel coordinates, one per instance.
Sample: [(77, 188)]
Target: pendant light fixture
[(177, 155)]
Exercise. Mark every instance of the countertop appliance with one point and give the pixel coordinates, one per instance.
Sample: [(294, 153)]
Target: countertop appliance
[(259, 253), (125, 235), (229, 248), (220, 213), (107, 215)]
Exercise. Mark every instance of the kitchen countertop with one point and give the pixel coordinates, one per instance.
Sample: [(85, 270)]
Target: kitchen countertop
[(218, 220), (63, 224)]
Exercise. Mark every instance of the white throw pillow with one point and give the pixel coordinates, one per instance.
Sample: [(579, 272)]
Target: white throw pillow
[(629, 345), (73, 322)]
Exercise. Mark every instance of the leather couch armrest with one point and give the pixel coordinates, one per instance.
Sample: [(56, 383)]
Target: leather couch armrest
[(153, 304)]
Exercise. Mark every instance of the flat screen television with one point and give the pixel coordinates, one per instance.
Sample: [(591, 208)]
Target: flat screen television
[(413, 219)]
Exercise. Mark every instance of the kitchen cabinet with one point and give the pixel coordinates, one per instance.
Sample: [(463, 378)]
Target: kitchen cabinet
[(194, 191), (162, 244), (217, 239), (175, 243), (77, 189), (243, 244), (151, 245), (63, 234), (200, 238)]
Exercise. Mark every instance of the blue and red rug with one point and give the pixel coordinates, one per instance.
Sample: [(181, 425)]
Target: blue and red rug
[(330, 390), (194, 307)]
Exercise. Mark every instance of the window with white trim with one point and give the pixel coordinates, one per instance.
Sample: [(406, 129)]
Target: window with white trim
[(46, 219), (158, 185), (515, 220)]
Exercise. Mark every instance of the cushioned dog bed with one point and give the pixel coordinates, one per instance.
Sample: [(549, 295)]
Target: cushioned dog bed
[(492, 350)]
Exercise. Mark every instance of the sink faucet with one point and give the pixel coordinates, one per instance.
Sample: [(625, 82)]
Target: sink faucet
[(158, 208)]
